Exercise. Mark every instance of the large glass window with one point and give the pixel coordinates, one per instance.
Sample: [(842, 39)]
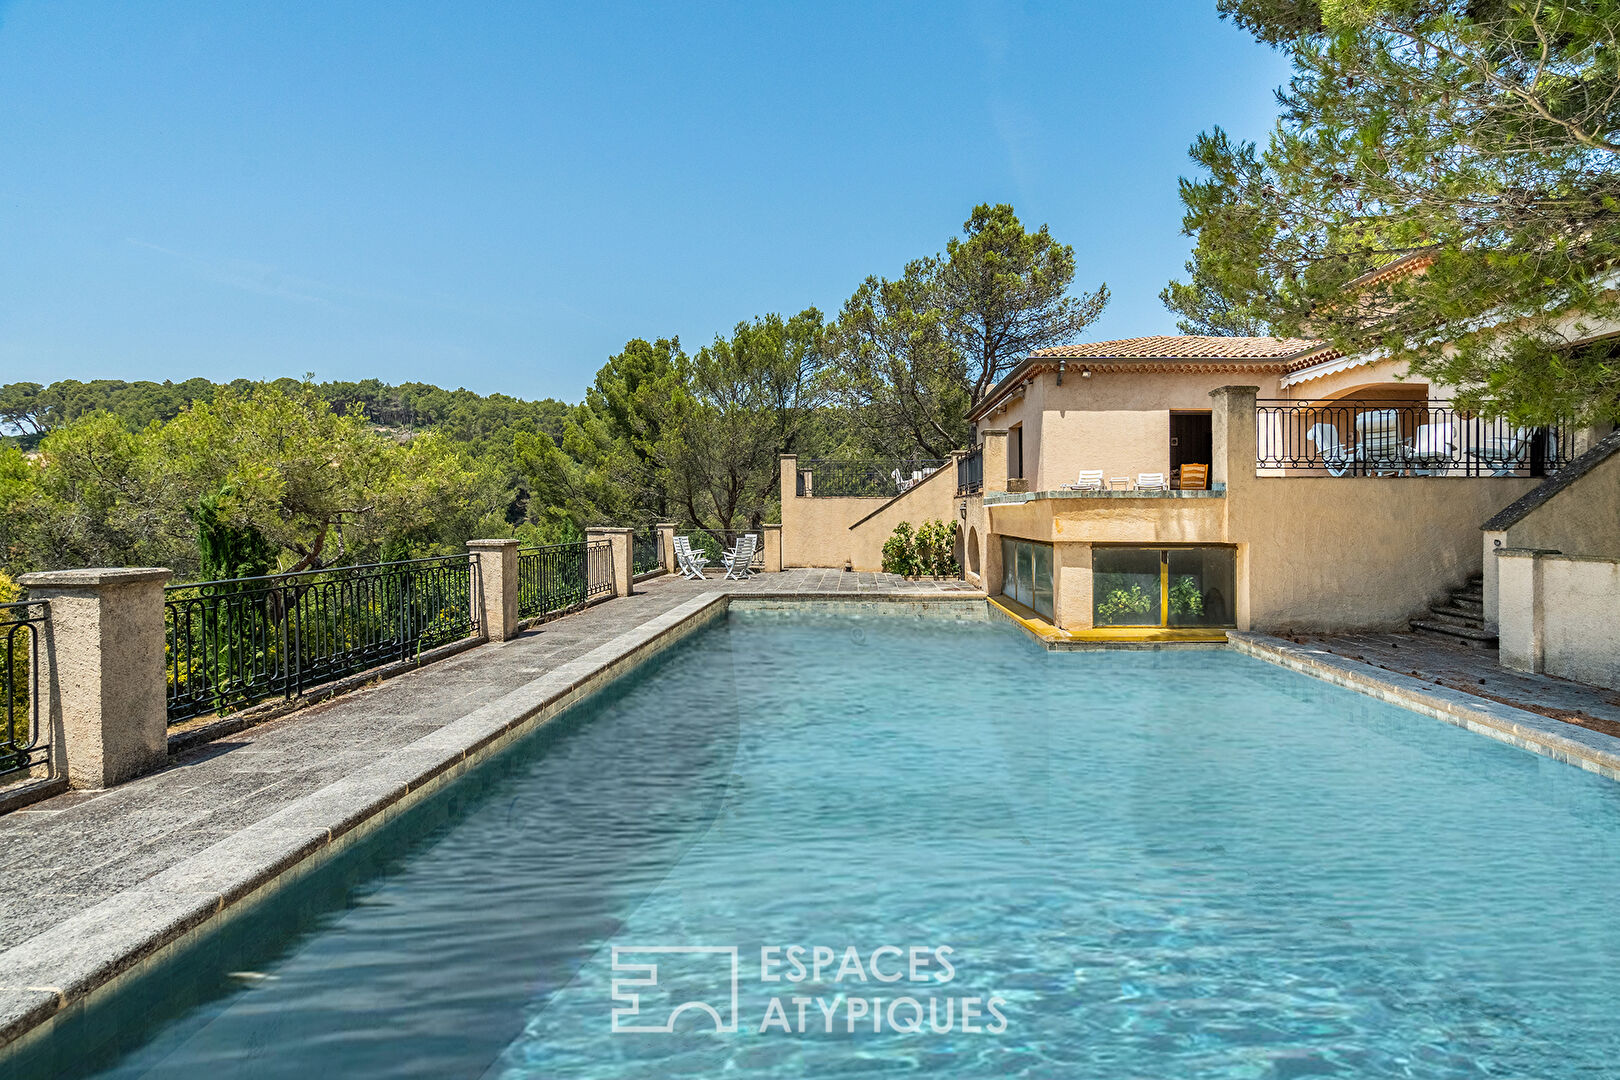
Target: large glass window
[(1125, 587), (1163, 586), (1026, 574), (1201, 581)]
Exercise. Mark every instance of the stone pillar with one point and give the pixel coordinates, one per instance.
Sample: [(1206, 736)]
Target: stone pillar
[(666, 545), (1232, 435), (105, 693), (1495, 540), (623, 560), (771, 537), (789, 464), (1520, 608), (495, 587), (995, 460)]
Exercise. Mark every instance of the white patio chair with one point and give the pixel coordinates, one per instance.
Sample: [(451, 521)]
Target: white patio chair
[(738, 558), (1502, 452), (899, 481), (1431, 449), (1151, 481), (1336, 458), (1090, 480), (691, 563), (1378, 441)]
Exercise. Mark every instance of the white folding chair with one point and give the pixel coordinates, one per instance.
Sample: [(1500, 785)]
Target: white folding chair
[(738, 558), (1151, 481), (691, 562)]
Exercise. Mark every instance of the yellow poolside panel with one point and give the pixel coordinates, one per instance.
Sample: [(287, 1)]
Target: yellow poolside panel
[(1037, 624)]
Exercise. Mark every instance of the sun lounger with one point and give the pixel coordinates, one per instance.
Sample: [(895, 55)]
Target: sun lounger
[(1090, 480)]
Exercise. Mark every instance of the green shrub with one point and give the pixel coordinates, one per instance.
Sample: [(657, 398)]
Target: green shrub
[(1185, 597), (900, 551), (931, 549), (1132, 601)]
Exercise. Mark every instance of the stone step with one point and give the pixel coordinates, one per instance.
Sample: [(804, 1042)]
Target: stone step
[(1476, 605), (1454, 617), (1473, 592), (1460, 635)]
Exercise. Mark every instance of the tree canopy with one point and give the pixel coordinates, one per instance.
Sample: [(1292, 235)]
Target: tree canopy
[(913, 355), (1479, 138), (236, 479)]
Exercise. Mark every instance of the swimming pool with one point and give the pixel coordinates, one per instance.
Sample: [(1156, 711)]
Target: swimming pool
[(1164, 864)]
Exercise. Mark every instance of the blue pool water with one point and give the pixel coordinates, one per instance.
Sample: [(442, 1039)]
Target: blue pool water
[(1162, 865)]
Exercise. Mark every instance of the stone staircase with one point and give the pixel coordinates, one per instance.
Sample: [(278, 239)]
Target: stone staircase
[(1459, 619)]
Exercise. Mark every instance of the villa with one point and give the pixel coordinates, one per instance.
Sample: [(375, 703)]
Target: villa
[(1167, 488)]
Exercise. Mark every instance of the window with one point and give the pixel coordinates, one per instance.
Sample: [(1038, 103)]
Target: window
[(1026, 574), (1192, 586), (1015, 452)]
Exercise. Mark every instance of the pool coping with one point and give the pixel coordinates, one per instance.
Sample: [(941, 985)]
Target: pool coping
[(55, 972), (1590, 750)]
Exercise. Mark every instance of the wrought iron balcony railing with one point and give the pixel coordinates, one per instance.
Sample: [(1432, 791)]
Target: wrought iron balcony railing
[(1370, 437), (24, 741), (867, 479), (970, 472)]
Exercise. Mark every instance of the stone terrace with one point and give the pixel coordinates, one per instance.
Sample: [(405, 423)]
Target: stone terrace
[(68, 853)]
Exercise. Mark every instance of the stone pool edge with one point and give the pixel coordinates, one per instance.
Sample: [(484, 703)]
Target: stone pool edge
[(1585, 749), (47, 976)]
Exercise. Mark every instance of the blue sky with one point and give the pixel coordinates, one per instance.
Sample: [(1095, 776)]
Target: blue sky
[(498, 196)]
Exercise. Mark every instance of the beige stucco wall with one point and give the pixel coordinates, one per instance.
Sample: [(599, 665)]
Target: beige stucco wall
[(1113, 518), (1582, 519), (1557, 615), (835, 531), (1581, 635), (1118, 422), (1360, 552)]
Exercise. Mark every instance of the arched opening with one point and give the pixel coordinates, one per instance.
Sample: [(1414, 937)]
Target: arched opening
[(972, 562)]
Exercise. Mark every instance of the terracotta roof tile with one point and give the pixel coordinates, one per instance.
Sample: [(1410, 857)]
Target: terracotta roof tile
[(1183, 347)]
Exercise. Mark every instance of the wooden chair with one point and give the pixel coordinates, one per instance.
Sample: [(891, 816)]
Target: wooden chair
[(1194, 477)]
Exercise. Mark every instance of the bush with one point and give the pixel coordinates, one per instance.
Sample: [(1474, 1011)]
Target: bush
[(900, 551), (931, 549)]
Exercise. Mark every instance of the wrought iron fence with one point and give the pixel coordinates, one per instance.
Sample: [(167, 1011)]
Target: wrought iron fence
[(970, 472), (232, 643), (559, 578), (879, 479), (23, 739), (646, 552), (1368, 437)]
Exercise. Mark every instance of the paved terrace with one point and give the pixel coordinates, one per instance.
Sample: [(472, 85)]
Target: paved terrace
[(1475, 672), (68, 853)]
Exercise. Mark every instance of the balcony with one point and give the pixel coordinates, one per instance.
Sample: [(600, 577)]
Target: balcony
[(1369, 437)]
